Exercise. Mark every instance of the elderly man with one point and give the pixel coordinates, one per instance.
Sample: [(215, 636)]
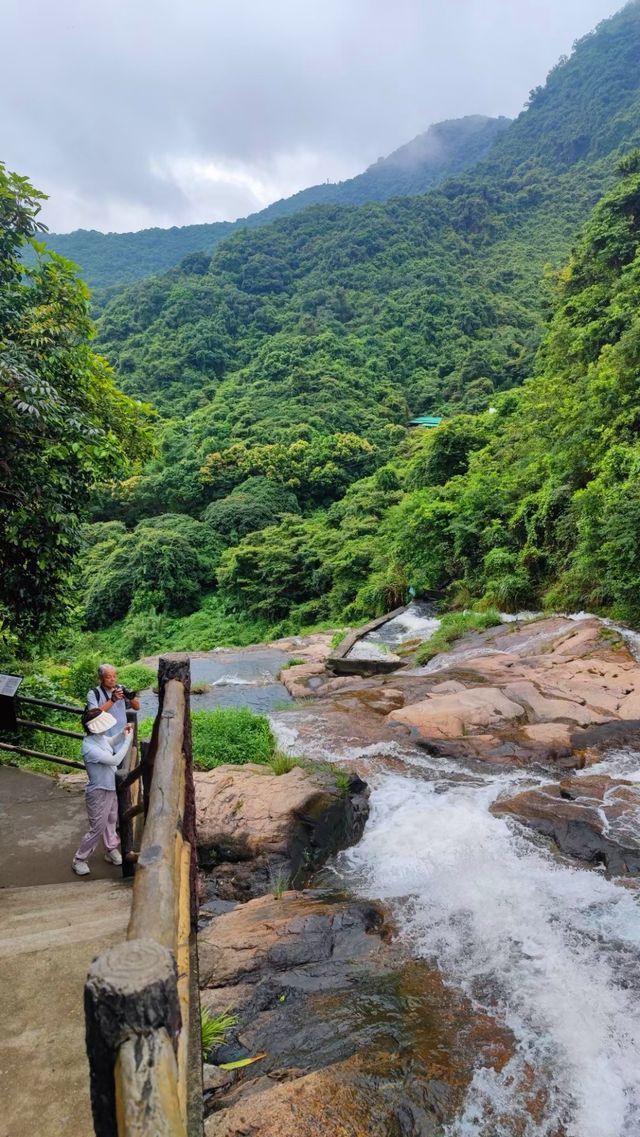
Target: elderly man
[(111, 697)]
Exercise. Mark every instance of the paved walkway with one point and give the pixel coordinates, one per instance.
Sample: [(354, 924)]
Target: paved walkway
[(40, 829), (51, 926)]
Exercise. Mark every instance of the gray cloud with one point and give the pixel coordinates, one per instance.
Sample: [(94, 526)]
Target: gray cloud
[(139, 112)]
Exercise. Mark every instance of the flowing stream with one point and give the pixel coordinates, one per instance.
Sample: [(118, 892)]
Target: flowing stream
[(548, 948), (552, 948)]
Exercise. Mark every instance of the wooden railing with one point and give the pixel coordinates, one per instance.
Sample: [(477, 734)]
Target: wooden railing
[(11, 721), (141, 996), (132, 777)]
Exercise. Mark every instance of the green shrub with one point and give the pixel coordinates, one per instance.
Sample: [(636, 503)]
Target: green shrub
[(226, 734), (136, 676)]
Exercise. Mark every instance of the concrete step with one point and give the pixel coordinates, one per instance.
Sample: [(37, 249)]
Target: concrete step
[(49, 935), (48, 916)]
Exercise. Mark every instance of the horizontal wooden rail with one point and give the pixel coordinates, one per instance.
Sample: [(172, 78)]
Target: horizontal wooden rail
[(131, 778), (48, 703), (142, 1035), (40, 754), (49, 729), (133, 811)]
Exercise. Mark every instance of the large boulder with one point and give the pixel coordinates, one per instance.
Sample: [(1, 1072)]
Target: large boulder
[(594, 818), (266, 826), (453, 715), (354, 1038)]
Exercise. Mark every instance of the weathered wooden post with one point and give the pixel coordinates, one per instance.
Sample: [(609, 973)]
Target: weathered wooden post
[(129, 798), (132, 1014)]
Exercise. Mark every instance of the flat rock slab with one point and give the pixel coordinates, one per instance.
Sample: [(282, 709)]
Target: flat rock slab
[(594, 818), (453, 715), (296, 678), (272, 824), (356, 1038)]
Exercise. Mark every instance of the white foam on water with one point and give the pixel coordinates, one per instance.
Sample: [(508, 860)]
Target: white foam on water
[(286, 736), (237, 679), (520, 617), (418, 621), (365, 649), (550, 949), (623, 763), (231, 680)]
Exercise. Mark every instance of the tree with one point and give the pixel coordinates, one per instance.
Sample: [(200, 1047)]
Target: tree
[(63, 424)]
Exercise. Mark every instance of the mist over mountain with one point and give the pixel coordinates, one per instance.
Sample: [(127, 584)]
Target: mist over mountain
[(110, 259)]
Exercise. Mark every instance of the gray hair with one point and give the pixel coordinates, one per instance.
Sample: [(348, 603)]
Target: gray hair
[(105, 667)]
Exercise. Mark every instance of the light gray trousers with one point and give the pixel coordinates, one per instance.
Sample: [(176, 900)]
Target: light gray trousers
[(102, 807)]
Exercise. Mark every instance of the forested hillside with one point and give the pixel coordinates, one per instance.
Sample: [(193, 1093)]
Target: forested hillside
[(535, 504), (108, 260), (286, 487)]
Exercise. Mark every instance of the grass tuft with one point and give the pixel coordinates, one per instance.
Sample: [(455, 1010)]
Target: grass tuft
[(282, 763), (338, 637), (213, 1031), (279, 884), (452, 627)]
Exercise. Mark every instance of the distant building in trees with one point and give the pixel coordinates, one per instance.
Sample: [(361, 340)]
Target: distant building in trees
[(424, 420)]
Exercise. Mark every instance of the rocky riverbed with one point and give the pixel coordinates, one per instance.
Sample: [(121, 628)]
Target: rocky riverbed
[(349, 1034), (468, 966)]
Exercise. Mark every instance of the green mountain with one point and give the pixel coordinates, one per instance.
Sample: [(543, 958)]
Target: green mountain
[(112, 259), (292, 357), (419, 304), (535, 504)]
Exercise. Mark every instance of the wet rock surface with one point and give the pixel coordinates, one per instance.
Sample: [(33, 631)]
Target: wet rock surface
[(256, 827), (552, 692), (595, 818), (356, 1038)]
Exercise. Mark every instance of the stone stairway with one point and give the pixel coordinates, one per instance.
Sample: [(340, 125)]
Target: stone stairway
[(49, 933)]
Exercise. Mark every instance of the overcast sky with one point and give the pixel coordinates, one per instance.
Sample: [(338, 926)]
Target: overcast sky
[(131, 113)]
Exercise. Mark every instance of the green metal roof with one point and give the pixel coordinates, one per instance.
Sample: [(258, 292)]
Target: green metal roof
[(425, 420)]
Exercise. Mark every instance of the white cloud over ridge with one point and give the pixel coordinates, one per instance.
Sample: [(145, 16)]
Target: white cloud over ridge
[(132, 113)]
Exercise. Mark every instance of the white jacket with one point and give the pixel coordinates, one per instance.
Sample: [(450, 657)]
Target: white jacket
[(102, 760)]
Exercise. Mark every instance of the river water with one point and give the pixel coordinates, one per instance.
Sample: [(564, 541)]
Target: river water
[(548, 948)]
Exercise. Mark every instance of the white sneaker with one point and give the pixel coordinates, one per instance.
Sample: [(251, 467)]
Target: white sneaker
[(113, 856), (81, 868)]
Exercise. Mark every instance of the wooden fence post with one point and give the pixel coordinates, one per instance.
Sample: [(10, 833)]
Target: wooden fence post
[(180, 669), (128, 797), (131, 997)]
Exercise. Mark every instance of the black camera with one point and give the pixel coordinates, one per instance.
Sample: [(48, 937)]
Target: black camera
[(125, 691)]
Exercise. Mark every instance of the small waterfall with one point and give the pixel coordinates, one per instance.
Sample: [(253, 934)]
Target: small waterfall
[(550, 948)]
